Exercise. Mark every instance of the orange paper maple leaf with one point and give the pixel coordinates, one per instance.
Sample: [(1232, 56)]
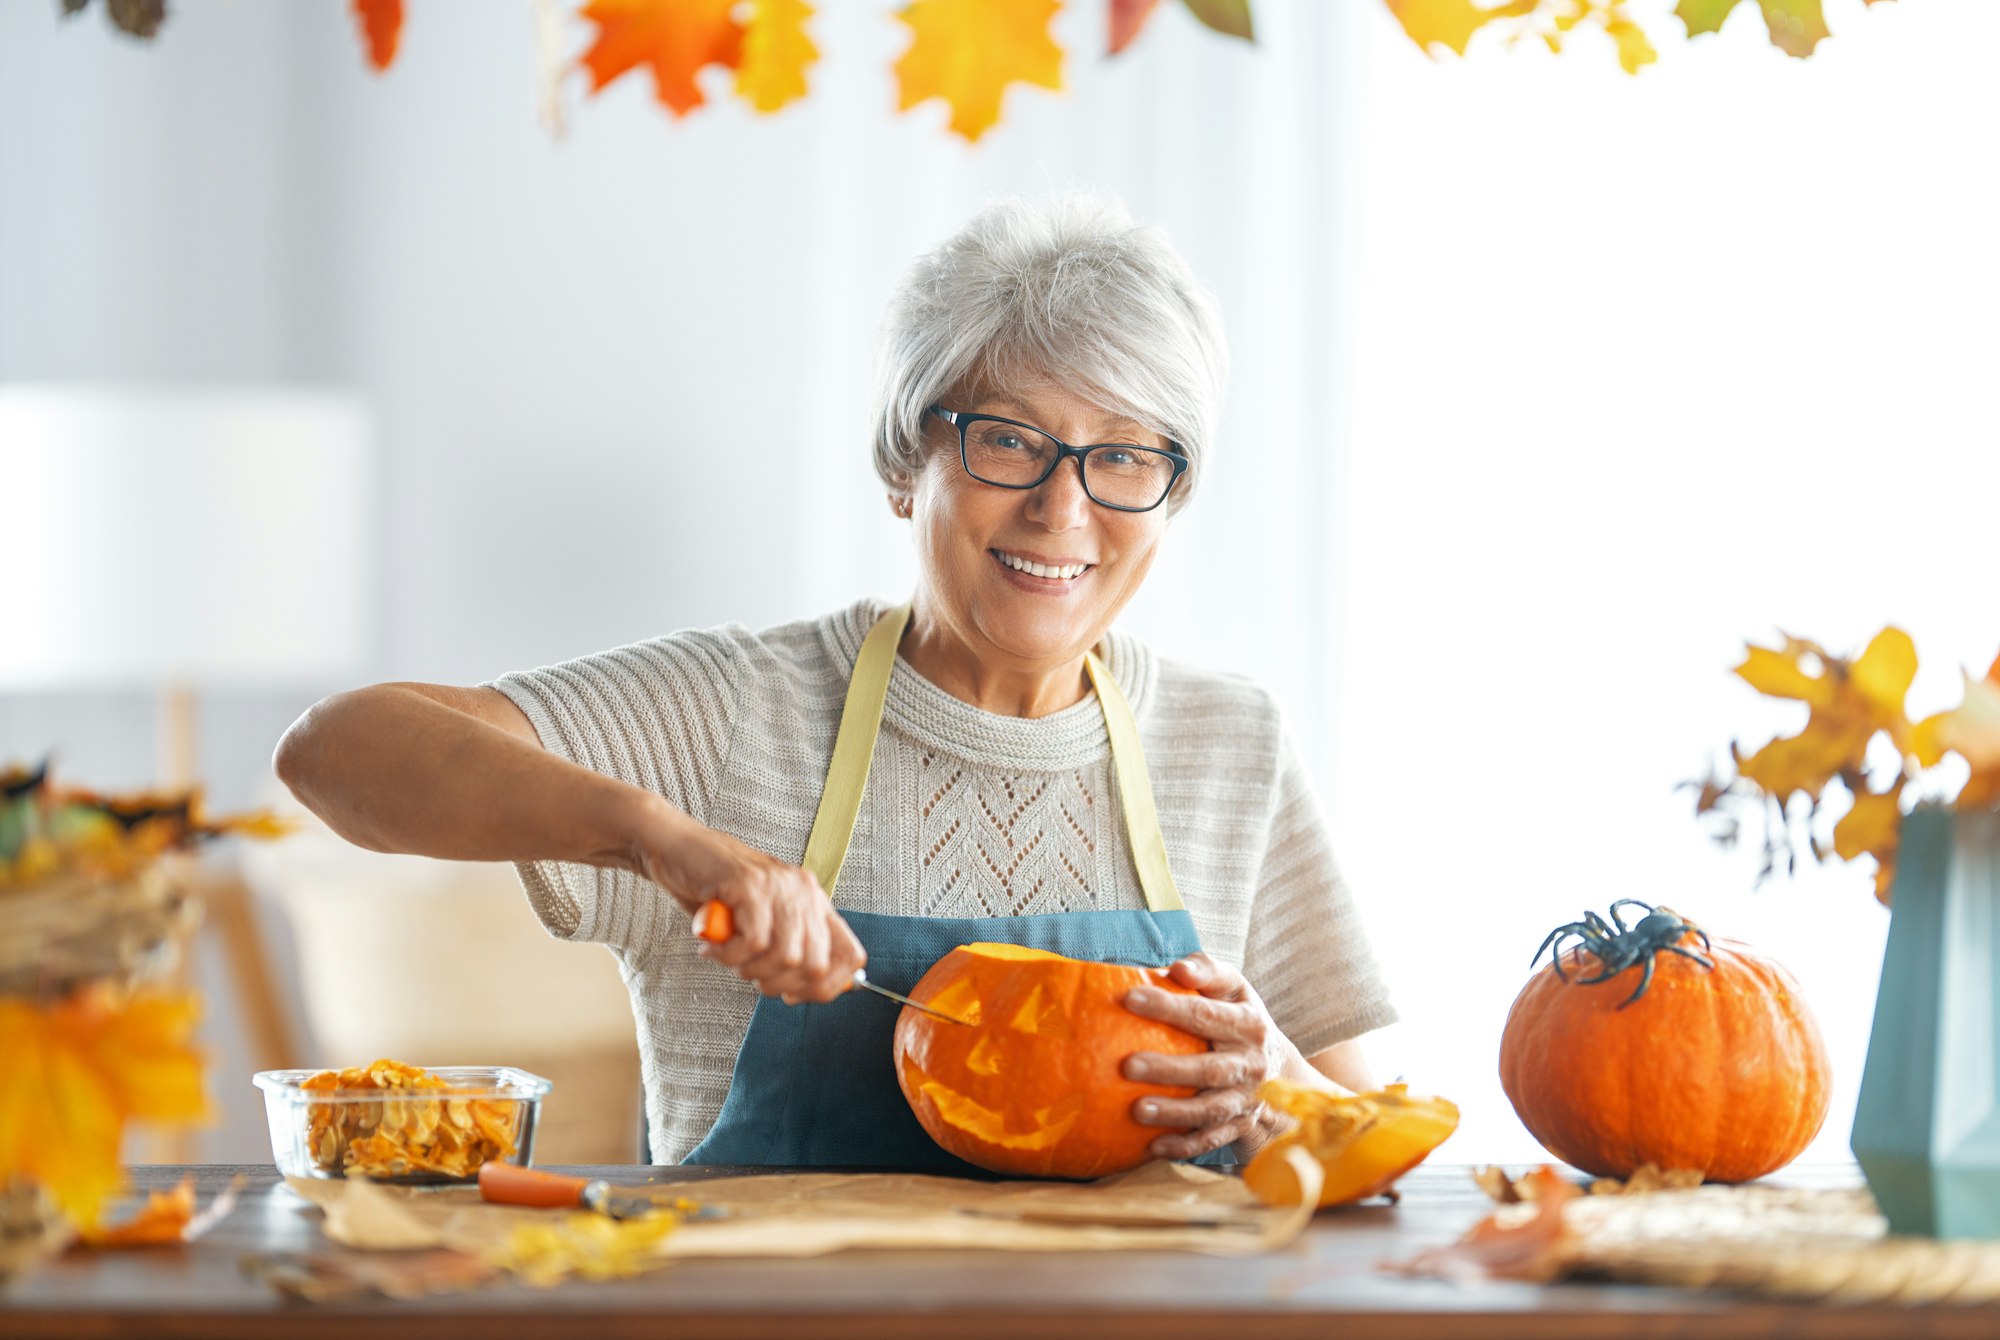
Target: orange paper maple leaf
[(968, 51), (381, 28), (677, 38), (776, 54), (75, 1073)]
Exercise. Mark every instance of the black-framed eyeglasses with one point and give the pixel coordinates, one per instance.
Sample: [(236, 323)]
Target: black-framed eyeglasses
[(1009, 454)]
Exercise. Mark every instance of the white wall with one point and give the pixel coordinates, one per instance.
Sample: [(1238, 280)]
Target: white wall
[(1642, 369)]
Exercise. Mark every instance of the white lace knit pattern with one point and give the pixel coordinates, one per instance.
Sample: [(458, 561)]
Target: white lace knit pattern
[(967, 814)]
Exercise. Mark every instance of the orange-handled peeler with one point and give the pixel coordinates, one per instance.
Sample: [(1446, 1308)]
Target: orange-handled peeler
[(510, 1184), (714, 923)]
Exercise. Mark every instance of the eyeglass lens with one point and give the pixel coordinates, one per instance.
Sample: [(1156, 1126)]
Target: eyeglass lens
[(1008, 454)]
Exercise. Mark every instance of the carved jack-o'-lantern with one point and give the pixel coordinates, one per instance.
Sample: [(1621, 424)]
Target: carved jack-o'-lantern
[(1031, 1082)]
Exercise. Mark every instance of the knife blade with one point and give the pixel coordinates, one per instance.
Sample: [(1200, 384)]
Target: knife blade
[(714, 923)]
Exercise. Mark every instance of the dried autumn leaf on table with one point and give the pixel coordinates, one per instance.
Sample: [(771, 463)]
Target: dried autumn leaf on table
[(1796, 26), (591, 1246), (163, 1219), (676, 38), (381, 29), (776, 54), (968, 51), (1510, 1243)]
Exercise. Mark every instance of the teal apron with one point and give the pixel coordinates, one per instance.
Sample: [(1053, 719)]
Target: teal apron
[(815, 1085)]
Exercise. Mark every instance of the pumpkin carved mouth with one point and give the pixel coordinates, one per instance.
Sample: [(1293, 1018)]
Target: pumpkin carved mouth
[(1037, 1087)]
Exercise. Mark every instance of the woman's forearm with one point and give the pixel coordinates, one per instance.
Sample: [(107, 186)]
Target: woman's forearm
[(392, 769)]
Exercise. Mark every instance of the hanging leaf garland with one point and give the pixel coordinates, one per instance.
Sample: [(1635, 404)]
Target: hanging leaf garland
[(776, 54), (381, 29), (677, 39), (968, 51), (1128, 18), (1228, 17)]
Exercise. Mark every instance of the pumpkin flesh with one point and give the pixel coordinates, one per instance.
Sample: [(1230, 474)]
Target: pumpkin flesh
[(1363, 1142), (1719, 1070), (1035, 1085)]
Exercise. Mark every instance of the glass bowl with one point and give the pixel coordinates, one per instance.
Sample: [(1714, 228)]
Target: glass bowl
[(430, 1132)]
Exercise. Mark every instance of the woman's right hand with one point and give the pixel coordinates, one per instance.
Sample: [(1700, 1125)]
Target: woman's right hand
[(787, 938)]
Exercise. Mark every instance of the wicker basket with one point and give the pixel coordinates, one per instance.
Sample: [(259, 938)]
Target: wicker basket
[(57, 936)]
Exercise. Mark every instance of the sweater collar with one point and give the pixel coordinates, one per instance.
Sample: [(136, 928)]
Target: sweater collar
[(1072, 737)]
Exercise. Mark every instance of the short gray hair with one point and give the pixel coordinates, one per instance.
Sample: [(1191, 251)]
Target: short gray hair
[(1070, 291)]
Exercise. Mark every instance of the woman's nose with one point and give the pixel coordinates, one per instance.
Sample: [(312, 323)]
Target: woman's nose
[(1060, 502)]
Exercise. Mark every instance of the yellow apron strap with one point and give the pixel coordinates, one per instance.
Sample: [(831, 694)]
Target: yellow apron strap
[(854, 753), (854, 748), (1135, 790)]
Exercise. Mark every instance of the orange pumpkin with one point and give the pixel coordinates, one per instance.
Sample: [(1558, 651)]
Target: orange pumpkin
[(1655, 1044), (1034, 1085)]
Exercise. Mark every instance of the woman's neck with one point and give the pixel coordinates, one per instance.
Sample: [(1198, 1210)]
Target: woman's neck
[(987, 677)]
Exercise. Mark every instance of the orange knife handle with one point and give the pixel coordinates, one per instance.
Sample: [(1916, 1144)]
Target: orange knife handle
[(714, 922), (511, 1184)]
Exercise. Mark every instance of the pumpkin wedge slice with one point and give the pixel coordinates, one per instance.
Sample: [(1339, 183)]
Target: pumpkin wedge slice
[(1363, 1141)]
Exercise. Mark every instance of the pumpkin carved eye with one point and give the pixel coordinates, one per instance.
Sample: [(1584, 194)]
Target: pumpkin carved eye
[(1035, 1085)]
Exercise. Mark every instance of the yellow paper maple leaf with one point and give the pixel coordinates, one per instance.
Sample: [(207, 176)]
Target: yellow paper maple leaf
[(676, 38), (968, 51), (1850, 703), (776, 54), (1447, 23), (76, 1072), (1972, 730)]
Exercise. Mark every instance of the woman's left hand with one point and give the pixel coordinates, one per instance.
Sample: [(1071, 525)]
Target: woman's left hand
[(1247, 1048)]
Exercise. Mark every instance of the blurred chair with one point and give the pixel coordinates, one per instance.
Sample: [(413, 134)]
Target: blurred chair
[(443, 963)]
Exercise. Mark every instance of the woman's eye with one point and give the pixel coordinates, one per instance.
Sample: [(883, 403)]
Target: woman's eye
[(1008, 441), (1120, 457)]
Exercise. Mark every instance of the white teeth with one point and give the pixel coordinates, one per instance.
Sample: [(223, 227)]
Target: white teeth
[(1065, 571)]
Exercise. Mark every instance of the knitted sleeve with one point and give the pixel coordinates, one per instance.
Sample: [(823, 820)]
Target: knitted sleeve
[(656, 714), (1307, 952)]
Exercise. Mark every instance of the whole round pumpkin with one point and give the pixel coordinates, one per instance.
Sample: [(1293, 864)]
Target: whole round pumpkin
[(1031, 1082), (1710, 1061)]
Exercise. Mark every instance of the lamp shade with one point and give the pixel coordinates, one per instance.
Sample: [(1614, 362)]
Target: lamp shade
[(201, 536)]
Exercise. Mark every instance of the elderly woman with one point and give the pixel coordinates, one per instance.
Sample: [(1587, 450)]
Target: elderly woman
[(991, 761)]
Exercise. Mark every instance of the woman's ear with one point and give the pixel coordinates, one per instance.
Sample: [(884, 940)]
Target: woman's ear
[(899, 503)]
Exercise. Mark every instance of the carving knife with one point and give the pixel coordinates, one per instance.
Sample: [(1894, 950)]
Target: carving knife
[(714, 923)]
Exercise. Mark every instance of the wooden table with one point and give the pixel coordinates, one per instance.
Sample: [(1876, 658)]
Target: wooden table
[(1326, 1285)]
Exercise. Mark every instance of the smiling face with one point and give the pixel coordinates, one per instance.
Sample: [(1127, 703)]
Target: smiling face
[(1018, 583)]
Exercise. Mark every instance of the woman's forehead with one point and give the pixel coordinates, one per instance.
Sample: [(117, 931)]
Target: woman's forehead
[(1036, 398)]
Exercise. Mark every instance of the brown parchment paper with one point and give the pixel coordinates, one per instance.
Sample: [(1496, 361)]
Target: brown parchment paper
[(1158, 1207)]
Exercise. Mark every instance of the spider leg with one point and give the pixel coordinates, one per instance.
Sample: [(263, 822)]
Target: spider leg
[(1644, 982), (1689, 953), (1556, 937)]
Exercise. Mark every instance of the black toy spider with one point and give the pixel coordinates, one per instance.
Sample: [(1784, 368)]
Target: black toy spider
[(1618, 946)]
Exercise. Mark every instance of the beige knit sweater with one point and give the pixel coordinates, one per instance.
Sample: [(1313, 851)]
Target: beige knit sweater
[(967, 814)]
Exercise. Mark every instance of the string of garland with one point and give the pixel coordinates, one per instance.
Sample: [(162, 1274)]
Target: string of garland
[(969, 52)]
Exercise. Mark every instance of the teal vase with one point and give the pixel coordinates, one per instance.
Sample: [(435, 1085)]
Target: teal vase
[(1927, 1126)]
